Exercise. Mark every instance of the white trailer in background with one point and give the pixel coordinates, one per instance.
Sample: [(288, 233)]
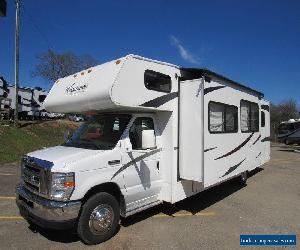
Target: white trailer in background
[(5, 102), (157, 133)]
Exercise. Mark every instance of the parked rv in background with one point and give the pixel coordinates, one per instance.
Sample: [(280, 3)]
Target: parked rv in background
[(30, 103), (289, 132)]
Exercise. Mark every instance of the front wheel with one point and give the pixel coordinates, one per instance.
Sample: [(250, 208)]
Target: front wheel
[(99, 219)]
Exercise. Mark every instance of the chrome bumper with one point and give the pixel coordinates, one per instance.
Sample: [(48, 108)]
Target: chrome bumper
[(36, 207)]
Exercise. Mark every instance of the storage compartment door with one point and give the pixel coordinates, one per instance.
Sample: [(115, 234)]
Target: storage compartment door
[(191, 130)]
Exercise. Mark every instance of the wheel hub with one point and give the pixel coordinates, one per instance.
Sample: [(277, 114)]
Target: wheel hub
[(101, 219)]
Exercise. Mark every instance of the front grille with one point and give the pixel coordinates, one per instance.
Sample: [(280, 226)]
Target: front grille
[(31, 177), (35, 177)]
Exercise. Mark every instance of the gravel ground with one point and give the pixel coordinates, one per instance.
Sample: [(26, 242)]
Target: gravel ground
[(214, 219)]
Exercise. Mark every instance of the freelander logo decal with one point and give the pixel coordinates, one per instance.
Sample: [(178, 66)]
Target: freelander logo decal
[(76, 88)]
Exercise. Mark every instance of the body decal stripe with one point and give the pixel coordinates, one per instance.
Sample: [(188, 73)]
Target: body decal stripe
[(258, 155), (135, 160), (268, 138), (237, 148), (231, 169), (256, 139), (208, 149), (210, 89), (160, 100)]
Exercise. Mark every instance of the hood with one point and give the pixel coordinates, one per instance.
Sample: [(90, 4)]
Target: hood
[(63, 155)]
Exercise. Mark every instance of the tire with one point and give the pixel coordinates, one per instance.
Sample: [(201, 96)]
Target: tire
[(243, 178), (89, 228)]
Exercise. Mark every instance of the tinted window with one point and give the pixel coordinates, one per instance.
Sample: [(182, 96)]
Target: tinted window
[(157, 81), (249, 116), (222, 118), (135, 133), (263, 119)]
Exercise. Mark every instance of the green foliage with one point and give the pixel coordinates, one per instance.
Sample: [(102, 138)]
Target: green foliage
[(15, 142)]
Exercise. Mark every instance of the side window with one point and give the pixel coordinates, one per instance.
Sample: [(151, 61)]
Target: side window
[(263, 119), (157, 81), (249, 116), (222, 118), (135, 133)]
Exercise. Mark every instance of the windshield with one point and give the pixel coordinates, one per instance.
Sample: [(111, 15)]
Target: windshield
[(99, 132)]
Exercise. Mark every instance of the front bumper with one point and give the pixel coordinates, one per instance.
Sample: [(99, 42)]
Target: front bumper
[(46, 213)]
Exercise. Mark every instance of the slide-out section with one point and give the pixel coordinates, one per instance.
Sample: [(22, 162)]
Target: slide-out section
[(191, 130)]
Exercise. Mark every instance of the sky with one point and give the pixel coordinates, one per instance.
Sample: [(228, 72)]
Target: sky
[(256, 43)]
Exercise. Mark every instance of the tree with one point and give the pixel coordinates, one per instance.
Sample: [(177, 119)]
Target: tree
[(52, 65)]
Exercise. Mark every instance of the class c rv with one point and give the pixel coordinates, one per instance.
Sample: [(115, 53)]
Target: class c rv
[(156, 133)]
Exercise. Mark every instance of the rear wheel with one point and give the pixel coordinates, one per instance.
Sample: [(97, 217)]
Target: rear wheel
[(99, 219)]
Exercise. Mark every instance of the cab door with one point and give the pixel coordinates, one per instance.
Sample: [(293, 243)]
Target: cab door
[(142, 177)]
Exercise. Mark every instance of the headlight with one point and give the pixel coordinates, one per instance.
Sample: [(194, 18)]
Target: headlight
[(62, 186)]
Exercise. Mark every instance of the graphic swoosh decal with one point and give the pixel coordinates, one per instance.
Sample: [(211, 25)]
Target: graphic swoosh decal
[(237, 148), (256, 140), (208, 149), (210, 89), (231, 169), (155, 103), (258, 155), (135, 160), (268, 138)]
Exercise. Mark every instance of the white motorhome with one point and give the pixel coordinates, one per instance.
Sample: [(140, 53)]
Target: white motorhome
[(157, 133)]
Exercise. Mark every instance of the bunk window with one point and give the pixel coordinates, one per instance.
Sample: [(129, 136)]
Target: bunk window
[(222, 118), (249, 116), (157, 81), (263, 119)]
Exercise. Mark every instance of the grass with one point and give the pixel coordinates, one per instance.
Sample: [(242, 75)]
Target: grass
[(30, 136)]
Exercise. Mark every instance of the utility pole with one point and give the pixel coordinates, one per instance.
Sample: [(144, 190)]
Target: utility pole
[(17, 59)]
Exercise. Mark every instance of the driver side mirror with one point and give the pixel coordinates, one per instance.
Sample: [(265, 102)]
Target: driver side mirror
[(148, 139)]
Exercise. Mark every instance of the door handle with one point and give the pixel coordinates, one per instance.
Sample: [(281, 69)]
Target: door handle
[(113, 162), (157, 165)]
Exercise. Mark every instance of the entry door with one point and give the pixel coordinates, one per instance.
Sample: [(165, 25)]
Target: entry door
[(142, 176)]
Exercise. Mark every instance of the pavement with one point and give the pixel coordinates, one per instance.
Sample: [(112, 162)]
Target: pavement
[(214, 219)]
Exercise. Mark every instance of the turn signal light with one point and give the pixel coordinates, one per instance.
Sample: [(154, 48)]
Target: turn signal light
[(69, 184)]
